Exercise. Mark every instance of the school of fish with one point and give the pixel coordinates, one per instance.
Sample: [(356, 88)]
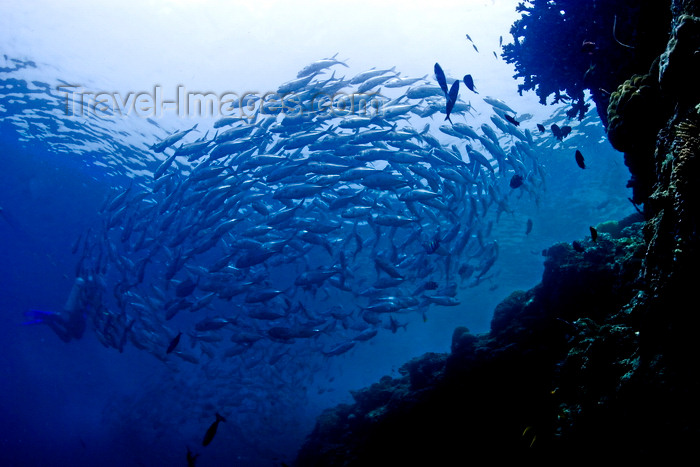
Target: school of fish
[(248, 254), (314, 230)]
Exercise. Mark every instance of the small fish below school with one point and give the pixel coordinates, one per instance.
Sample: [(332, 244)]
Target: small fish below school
[(469, 82), (594, 234), (211, 431), (579, 159), (516, 181)]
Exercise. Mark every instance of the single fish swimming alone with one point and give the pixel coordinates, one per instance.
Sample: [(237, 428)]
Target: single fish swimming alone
[(528, 229), (579, 159), (469, 82), (594, 234), (211, 431), (516, 181)]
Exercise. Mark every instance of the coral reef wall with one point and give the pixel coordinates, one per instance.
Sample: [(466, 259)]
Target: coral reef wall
[(562, 47), (600, 361)]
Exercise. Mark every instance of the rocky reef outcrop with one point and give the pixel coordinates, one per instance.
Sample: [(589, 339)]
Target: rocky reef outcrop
[(599, 361), (521, 391)]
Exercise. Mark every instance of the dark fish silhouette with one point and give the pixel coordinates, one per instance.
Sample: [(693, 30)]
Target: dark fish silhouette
[(469, 82), (556, 131), (594, 234), (516, 181), (452, 99), (511, 119), (528, 229), (541, 128), (565, 130), (440, 76), (577, 246), (579, 159), (470, 39), (209, 435), (174, 342), (191, 458), (477, 50)]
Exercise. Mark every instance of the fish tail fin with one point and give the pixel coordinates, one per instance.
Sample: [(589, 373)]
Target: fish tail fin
[(219, 417), (34, 321), (38, 316)]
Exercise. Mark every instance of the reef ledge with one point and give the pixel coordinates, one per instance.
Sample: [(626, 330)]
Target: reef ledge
[(560, 371), (596, 363)]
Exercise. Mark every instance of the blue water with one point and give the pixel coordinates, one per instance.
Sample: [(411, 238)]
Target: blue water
[(83, 404)]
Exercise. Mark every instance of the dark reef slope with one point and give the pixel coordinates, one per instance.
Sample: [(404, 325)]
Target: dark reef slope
[(600, 361)]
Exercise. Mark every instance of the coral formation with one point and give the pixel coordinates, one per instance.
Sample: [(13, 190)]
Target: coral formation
[(637, 110), (532, 371), (634, 120), (563, 47), (681, 60)]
